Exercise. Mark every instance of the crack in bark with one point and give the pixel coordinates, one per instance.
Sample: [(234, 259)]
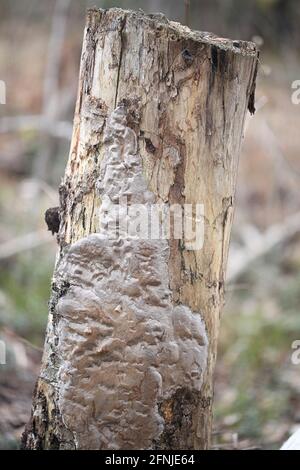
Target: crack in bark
[(120, 60)]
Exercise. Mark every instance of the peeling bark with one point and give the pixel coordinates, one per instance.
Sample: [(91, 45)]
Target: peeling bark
[(133, 324)]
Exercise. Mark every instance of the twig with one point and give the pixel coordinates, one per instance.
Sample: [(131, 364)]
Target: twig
[(25, 242), (258, 246), (274, 149), (8, 332), (61, 129)]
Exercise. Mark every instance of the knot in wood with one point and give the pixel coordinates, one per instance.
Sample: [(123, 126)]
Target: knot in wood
[(187, 57)]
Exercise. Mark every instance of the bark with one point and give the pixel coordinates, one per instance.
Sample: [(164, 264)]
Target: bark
[(133, 325)]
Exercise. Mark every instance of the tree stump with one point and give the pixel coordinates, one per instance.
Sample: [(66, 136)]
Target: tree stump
[(133, 324)]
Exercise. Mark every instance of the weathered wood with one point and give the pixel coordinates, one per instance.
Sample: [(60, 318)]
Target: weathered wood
[(133, 325)]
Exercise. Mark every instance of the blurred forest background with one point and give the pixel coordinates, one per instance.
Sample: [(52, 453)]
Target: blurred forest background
[(257, 387)]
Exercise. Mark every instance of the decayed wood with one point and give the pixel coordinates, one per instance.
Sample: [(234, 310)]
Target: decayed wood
[(133, 324)]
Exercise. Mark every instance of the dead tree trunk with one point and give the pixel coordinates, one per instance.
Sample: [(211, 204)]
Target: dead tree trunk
[(133, 324)]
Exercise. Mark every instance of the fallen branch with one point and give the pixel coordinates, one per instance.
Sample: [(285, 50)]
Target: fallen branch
[(36, 122), (258, 245), (25, 242)]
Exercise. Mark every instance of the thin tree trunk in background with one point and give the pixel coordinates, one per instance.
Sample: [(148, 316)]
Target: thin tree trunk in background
[(187, 5), (52, 103), (133, 325)]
